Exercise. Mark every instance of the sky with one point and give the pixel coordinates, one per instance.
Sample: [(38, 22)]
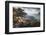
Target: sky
[(32, 12)]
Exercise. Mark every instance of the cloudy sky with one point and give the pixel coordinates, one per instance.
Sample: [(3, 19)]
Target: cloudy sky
[(32, 12)]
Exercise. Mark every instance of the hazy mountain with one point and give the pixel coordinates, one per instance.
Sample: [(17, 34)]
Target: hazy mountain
[(29, 17)]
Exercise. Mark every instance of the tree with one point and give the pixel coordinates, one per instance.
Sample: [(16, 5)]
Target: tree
[(19, 12)]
